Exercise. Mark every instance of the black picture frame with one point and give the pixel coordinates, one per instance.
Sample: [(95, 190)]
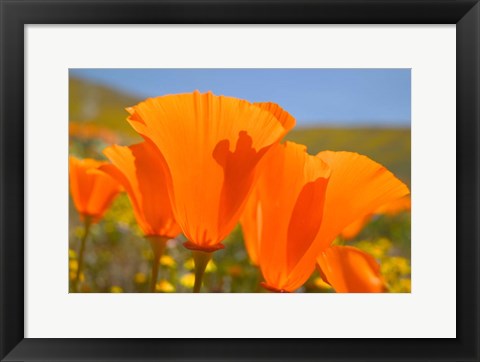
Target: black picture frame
[(15, 14)]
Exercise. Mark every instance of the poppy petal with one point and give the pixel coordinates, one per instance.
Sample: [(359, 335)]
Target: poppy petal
[(350, 270), (140, 170), (251, 222), (285, 118)]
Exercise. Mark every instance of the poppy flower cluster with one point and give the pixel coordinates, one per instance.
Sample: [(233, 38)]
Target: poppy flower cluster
[(210, 162)]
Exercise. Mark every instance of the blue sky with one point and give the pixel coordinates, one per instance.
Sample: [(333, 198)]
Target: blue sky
[(337, 97)]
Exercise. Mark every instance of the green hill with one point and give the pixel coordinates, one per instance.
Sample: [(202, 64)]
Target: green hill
[(90, 102), (390, 147)]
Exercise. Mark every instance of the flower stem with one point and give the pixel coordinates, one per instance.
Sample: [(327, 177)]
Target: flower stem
[(81, 253), (201, 259), (158, 244)]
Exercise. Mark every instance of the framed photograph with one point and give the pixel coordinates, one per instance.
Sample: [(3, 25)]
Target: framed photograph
[(309, 170)]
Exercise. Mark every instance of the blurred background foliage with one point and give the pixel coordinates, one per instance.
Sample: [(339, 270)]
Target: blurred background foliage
[(118, 258)]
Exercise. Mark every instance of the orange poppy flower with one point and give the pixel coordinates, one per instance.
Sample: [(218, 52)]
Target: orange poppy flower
[(92, 191), (138, 169), (357, 185), (210, 147), (284, 213), (350, 270), (391, 208)]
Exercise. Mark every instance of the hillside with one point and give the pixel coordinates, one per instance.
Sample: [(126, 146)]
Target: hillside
[(103, 106), (390, 147)]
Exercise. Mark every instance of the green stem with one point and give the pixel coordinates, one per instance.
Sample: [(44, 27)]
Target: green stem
[(201, 259), (158, 244), (81, 253)]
